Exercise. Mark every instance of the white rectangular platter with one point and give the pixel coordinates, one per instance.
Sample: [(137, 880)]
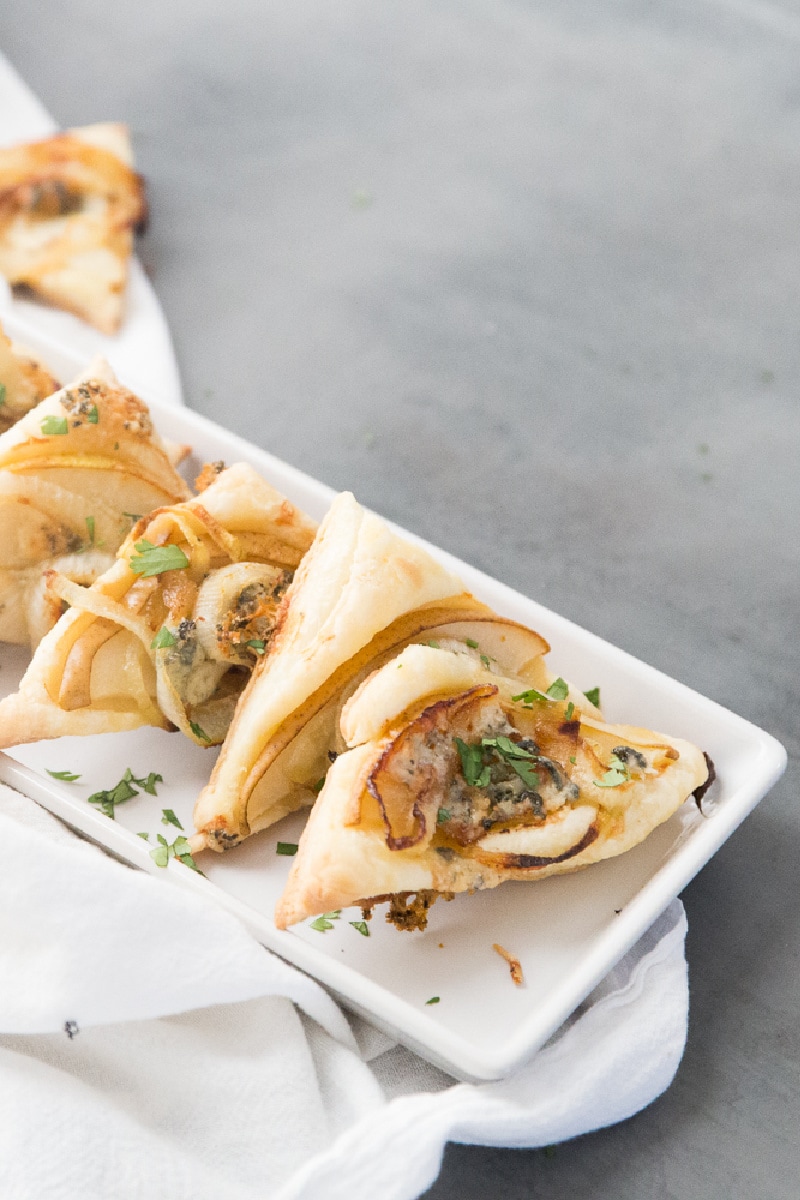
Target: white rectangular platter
[(567, 932)]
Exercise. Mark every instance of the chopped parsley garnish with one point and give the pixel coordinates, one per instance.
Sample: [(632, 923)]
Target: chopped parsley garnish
[(149, 784), (163, 639), (573, 759), (360, 927), (109, 799), (67, 776), (179, 849), (593, 696), (433, 1000), (516, 757), (434, 645), (52, 426), (168, 818), (325, 922), (529, 695), (92, 415), (477, 770), (144, 836), (256, 644), (472, 766), (2, 394), (124, 790), (319, 785), (473, 645), (617, 773), (570, 711), (90, 529), (287, 849), (443, 815), (558, 689), (198, 732), (486, 661), (154, 560)]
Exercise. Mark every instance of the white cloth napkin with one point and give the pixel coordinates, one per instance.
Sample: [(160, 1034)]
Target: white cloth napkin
[(149, 1046)]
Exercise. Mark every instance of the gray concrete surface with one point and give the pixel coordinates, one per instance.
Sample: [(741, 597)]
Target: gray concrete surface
[(525, 277)]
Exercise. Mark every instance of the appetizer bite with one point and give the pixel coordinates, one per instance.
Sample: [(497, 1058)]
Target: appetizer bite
[(168, 635), (76, 472), (457, 777), (68, 208), (361, 594), (24, 382)]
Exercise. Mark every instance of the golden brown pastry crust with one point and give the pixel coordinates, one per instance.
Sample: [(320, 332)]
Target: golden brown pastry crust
[(68, 207), (99, 670), (361, 591), (398, 813), (75, 472), (24, 382)]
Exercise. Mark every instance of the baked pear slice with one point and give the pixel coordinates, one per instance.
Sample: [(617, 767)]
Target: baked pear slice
[(24, 381), (361, 594), (76, 472), (169, 634), (69, 205), (456, 779)]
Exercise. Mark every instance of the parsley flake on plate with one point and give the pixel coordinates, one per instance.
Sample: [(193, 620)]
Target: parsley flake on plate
[(124, 791), (593, 696), (154, 560), (66, 776), (179, 849), (361, 927), (286, 849), (168, 818), (433, 1000)]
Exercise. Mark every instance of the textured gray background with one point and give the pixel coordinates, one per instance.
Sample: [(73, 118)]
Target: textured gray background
[(525, 277)]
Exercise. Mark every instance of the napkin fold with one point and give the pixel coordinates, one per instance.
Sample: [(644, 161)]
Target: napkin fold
[(142, 1020)]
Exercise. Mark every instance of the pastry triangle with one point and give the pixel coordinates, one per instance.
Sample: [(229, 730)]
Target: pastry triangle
[(168, 635), (361, 593), (24, 382), (458, 779), (76, 472), (68, 207)]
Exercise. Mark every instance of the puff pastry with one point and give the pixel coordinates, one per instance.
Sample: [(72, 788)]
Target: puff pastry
[(361, 593), (457, 779), (168, 634), (23, 382), (68, 207), (76, 472)]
